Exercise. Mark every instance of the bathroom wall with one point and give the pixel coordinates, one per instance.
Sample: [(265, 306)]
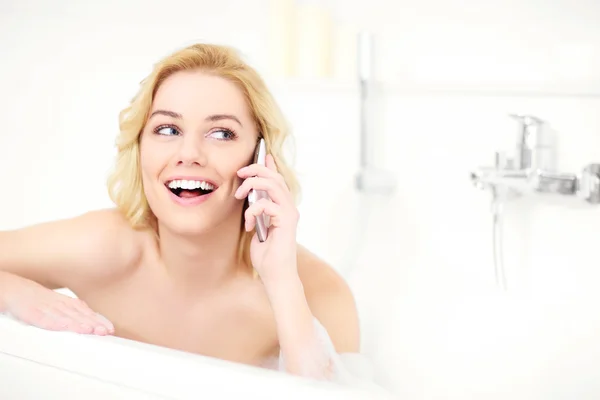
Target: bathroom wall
[(449, 72)]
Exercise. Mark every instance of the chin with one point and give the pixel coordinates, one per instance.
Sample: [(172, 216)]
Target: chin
[(186, 226)]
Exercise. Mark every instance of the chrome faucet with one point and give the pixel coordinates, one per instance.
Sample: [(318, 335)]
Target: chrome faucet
[(533, 167), (531, 143)]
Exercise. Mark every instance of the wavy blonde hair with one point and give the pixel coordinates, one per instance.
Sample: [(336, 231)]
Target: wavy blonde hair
[(125, 182)]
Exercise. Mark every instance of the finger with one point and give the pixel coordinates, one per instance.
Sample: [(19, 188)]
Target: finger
[(109, 325), (99, 324), (52, 318), (89, 321), (263, 171), (262, 206), (82, 323), (88, 317), (78, 325), (44, 318), (274, 191), (56, 323), (81, 306)]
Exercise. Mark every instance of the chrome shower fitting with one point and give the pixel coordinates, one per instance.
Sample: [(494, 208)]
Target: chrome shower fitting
[(532, 169), (588, 184), (371, 178)]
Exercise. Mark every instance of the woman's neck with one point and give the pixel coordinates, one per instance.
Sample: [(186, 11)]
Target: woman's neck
[(204, 261)]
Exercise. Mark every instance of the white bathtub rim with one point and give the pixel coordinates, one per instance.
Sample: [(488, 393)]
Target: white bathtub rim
[(143, 367)]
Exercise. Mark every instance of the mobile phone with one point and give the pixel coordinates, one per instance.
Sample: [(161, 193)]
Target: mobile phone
[(260, 155)]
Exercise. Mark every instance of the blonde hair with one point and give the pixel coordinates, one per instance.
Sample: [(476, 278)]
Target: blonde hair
[(125, 181)]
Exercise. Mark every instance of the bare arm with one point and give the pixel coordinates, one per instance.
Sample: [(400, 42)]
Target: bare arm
[(331, 301), (70, 252), (316, 292)]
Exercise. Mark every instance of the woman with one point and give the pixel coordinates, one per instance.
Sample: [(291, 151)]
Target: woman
[(177, 263)]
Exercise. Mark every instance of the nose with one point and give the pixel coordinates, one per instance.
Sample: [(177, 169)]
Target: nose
[(191, 151)]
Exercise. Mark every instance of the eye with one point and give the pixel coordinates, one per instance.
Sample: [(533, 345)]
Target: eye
[(223, 134), (166, 130)]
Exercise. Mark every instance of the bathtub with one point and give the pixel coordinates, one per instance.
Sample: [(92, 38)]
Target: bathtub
[(36, 364)]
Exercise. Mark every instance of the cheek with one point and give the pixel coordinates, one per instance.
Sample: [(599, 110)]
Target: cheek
[(151, 165), (235, 164), (151, 158), (228, 171)]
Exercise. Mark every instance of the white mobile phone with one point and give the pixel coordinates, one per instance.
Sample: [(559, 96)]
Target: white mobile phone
[(260, 155)]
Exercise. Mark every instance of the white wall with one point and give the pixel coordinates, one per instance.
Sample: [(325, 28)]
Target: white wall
[(433, 318)]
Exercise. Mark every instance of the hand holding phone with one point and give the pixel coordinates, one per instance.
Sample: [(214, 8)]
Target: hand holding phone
[(260, 155)]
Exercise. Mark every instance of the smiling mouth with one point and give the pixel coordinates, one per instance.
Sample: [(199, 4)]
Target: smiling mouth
[(190, 189)]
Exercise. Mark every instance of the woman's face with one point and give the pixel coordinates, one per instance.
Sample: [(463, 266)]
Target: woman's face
[(199, 134)]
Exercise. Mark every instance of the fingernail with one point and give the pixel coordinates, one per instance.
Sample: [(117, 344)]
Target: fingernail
[(237, 192), (101, 330)]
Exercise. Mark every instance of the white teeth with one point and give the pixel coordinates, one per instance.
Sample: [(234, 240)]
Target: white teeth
[(190, 185), (206, 186)]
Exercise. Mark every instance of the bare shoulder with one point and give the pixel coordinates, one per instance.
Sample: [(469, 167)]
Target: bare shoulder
[(330, 300), (110, 248), (110, 237), (77, 252)]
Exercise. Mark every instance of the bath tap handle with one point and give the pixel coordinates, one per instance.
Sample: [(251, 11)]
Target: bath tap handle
[(530, 138), (503, 161), (588, 184)]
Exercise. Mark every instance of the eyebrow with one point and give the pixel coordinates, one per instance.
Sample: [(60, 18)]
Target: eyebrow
[(211, 118), (167, 113), (219, 117)]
